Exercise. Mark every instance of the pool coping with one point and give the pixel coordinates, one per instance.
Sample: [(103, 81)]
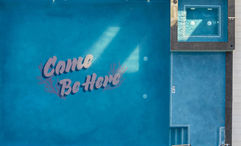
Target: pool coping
[(227, 47), (228, 97), (202, 46)]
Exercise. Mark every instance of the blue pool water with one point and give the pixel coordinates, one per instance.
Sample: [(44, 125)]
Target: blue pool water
[(134, 34), (202, 21), (198, 98), (206, 18)]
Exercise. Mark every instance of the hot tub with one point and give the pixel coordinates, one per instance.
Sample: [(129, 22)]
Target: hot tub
[(202, 21)]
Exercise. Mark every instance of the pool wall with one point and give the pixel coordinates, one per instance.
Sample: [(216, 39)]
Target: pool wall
[(229, 98)]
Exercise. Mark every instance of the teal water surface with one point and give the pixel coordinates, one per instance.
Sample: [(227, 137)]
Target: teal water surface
[(202, 21), (198, 103), (134, 34)]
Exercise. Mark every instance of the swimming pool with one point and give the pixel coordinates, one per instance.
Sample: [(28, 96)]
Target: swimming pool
[(114, 32), (197, 102), (203, 16), (202, 21), (164, 98)]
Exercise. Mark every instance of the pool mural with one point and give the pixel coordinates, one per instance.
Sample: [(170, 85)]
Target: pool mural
[(64, 87), (89, 72), (119, 34)]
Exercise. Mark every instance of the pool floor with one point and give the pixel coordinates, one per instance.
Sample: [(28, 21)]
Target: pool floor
[(124, 34)]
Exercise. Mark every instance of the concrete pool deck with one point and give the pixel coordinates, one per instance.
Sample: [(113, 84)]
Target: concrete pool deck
[(236, 133)]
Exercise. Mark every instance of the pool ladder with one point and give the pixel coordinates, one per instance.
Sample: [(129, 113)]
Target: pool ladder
[(231, 18)]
